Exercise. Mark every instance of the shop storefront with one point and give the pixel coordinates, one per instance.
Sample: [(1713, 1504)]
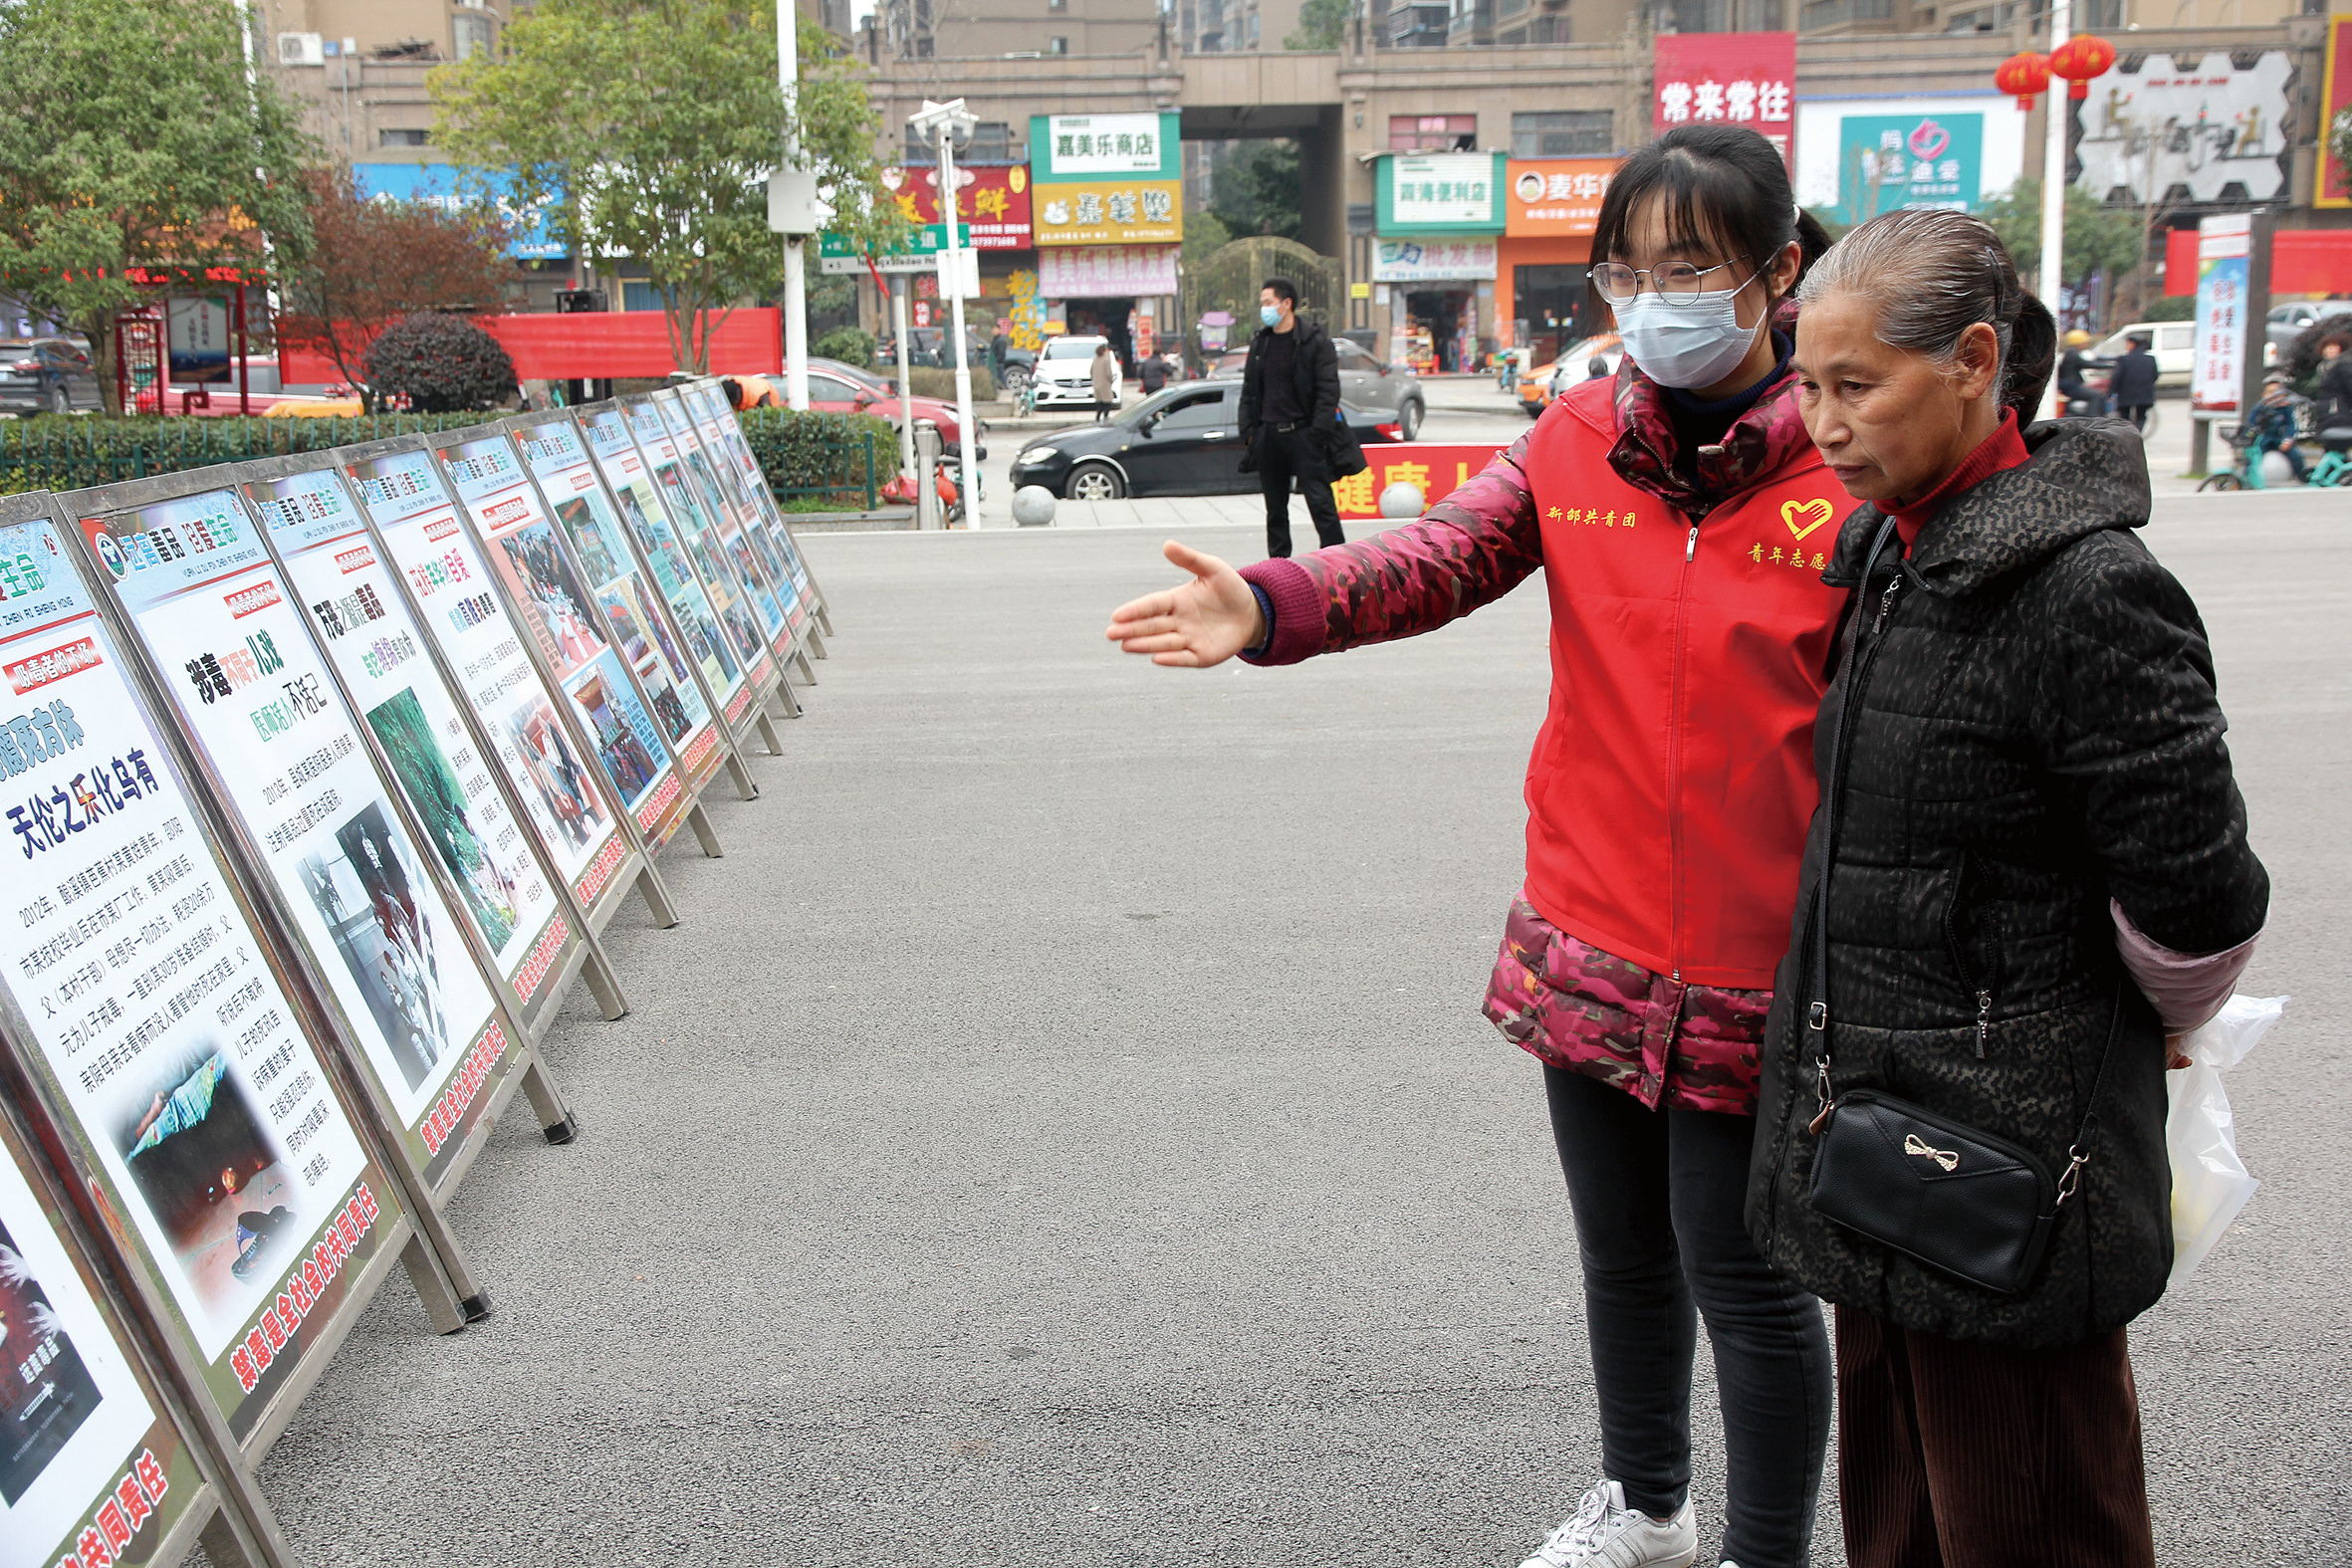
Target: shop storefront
[(1549, 206), (1439, 218), (1108, 213), (993, 200)]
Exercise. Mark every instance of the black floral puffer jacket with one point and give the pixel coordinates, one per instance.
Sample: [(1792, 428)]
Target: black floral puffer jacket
[(2034, 731)]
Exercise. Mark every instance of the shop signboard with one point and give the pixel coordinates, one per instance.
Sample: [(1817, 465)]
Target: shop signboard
[(1440, 193), (2209, 125), (1554, 196), (688, 571), (991, 199), (1093, 146), (163, 1043), (699, 419), (1096, 272), (547, 597), (1432, 261), (445, 577), (1889, 163), (2335, 96), (506, 893), (1110, 212), (728, 432), (1735, 78), (665, 662), (529, 234), (2224, 255)]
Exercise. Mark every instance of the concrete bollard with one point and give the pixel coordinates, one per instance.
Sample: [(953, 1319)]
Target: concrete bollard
[(1402, 500), (1033, 505)]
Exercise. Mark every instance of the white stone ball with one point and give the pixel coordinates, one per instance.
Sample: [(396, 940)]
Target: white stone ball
[(1033, 505), (1402, 500), (2276, 469)]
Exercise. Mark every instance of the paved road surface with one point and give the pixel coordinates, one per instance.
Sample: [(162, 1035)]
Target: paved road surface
[(1063, 1133)]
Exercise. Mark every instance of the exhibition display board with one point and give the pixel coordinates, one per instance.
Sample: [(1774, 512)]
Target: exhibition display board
[(147, 1007), (535, 568), (673, 661), (690, 580), (731, 441), (415, 516), (390, 671), (747, 546)]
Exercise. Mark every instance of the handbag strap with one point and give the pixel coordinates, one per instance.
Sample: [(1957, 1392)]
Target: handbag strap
[(1818, 927)]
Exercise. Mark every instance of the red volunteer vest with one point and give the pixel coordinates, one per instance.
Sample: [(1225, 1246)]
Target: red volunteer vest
[(1673, 777)]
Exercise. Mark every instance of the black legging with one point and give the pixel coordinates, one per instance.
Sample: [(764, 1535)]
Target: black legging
[(1659, 1198)]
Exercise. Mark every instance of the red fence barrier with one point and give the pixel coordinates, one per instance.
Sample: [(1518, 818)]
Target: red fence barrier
[(2303, 261), (597, 344)]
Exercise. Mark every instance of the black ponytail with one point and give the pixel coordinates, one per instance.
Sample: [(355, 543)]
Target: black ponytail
[(2033, 356)]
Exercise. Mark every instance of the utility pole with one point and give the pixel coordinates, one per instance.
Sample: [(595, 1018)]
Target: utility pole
[(792, 203), (2053, 190), (944, 123)]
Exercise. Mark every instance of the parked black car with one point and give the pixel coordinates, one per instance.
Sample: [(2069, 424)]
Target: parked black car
[(46, 375), (1184, 441)]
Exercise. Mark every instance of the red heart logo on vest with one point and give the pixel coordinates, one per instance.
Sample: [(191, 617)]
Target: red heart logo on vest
[(1812, 512)]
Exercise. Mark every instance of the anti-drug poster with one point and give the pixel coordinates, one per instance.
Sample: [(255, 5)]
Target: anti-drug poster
[(665, 479), (747, 489), (227, 637), (639, 623), (740, 523), (356, 607), (90, 1471), (718, 417), (545, 591), (229, 1163), (707, 530), (416, 518), (683, 582)]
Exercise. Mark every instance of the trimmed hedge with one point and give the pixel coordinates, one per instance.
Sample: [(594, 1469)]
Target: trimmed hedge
[(840, 456)]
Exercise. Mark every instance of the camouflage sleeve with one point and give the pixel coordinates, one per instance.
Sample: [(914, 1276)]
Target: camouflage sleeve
[(1470, 550)]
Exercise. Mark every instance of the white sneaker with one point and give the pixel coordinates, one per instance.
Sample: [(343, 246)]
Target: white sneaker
[(1604, 1533)]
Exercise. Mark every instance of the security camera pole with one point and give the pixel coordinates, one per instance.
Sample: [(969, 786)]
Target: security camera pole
[(946, 123)]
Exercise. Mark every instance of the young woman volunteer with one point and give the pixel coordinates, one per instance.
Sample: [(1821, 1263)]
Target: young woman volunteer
[(2029, 865), (1681, 521)]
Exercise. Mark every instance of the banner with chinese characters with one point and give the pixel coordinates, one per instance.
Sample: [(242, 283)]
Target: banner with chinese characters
[(1554, 196), (1110, 212), (991, 199), (2224, 256), (251, 689), (709, 535), (1093, 146), (167, 1048), (723, 436), (1439, 193), (1432, 261), (1738, 79), (1094, 271), (1430, 467), (1887, 162), (699, 420)]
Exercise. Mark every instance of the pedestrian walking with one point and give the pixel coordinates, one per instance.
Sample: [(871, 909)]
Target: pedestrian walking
[(2336, 383), (1681, 521), (1289, 417), (1105, 375), (2029, 868), (2133, 383), (999, 346), (2073, 386), (1152, 373)]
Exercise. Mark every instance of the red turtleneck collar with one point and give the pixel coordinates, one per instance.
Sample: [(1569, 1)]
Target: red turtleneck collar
[(2000, 451)]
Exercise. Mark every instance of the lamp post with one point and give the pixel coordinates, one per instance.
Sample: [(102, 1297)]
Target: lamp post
[(792, 211), (945, 124)]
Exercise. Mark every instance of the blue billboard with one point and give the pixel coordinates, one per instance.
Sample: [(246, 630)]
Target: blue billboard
[(439, 186)]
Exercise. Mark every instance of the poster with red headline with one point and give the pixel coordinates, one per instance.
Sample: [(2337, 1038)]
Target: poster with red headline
[(1730, 79), (719, 418), (700, 440), (249, 685), (707, 530), (504, 892), (163, 1041), (416, 516)]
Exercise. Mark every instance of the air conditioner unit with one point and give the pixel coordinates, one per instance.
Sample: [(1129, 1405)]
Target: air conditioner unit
[(300, 49)]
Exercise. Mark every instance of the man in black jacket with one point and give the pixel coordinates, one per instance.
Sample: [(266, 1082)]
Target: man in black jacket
[(2133, 385), (1289, 415)]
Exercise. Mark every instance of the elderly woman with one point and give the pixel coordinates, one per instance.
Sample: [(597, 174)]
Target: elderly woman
[(2028, 867)]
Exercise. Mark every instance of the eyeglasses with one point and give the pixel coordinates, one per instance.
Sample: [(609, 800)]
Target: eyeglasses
[(1676, 282)]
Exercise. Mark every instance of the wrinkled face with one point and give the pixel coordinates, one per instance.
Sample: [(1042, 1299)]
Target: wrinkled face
[(1889, 423)]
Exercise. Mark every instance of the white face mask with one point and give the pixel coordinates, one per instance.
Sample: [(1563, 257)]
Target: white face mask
[(1693, 343)]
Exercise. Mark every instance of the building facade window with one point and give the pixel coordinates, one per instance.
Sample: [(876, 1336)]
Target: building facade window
[(1561, 133), (1432, 132), (471, 34), (1056, 46), (392, 138)]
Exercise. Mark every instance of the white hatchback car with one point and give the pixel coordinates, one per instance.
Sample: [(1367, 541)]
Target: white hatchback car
[(1065, 373), (2173, 343)]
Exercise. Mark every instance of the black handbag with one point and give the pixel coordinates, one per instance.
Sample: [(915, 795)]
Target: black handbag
[(1975, 1206)]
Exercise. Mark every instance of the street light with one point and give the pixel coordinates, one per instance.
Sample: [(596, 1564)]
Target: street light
[(945, 125)]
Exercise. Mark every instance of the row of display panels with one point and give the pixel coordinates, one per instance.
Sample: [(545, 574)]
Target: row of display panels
[(322, 774)]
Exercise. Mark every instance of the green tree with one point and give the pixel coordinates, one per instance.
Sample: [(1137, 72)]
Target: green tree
[(1323, 25), (2099, 238), (1255, 189), (652, 126), (130, 136)]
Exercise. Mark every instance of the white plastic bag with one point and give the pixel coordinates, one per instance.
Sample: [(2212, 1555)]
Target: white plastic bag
[(2210, 1181)]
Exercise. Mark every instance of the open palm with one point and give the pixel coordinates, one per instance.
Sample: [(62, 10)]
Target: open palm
[(1202, 622)]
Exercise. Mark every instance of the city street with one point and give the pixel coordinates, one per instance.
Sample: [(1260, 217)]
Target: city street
[(1063, 1131)]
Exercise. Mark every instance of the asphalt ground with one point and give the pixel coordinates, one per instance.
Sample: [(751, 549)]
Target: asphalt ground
[(1062, 1132)]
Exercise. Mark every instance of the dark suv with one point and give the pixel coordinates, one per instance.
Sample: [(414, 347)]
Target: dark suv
[(46, 375)]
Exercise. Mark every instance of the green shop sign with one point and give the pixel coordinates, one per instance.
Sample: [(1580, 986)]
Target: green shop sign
[(1886, 162), (1105, 147)]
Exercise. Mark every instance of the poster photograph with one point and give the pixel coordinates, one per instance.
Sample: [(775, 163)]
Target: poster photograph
[(719, 422), (700, 425), (415, 514), (361, 620), (175, 1057), (519, 536), (252, 689), (733, 540)]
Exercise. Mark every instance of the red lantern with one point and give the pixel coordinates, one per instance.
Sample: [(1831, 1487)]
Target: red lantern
[(2026, 75), (2079, 59)]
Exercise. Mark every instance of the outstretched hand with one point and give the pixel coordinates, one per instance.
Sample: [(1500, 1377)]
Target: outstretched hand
[(1202, 622)]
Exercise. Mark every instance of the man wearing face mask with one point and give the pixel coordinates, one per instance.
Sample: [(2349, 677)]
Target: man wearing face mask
[(1290, 416)]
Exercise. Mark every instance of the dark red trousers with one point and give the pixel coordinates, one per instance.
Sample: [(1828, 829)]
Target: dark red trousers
[(1959, 1454)]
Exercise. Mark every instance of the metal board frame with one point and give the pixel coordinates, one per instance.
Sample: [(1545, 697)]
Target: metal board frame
[(757, 482), (611, 871)]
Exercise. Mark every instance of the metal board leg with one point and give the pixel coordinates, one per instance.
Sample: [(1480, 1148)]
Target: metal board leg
[(704, 835), (656, 894), (441, 1303), (740, 770), (248, 1543), (603, 983), (554, 1118), (800, 658), (788, 701), (767, 728), (813, 643)]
